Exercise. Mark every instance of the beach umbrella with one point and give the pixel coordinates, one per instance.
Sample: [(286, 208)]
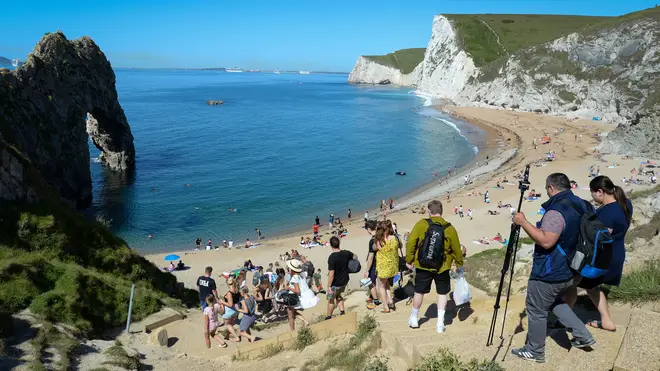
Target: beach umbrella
[(172, 257)]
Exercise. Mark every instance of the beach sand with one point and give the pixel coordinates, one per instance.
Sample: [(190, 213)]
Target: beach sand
[(510, 148)]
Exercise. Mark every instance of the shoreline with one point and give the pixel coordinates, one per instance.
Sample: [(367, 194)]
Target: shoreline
[(437, 186), (573, 157)]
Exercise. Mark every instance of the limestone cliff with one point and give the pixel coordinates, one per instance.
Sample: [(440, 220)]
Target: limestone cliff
[(367, 71), (590, 67), (61, 96)]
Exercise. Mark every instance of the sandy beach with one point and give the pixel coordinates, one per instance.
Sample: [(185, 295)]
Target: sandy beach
[(511, 146)]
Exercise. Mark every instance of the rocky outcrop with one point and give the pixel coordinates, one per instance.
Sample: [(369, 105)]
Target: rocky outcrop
[(367, 71), (61, 96), (610, 71)]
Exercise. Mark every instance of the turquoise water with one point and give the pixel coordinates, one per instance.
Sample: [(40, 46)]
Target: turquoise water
[(282, 149)]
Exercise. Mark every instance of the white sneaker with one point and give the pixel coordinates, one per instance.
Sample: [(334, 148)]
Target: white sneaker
[(412, 322), (440, 328)]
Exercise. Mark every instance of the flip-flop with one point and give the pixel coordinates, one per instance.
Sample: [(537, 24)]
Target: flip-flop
[(223, 345), (598, 325)]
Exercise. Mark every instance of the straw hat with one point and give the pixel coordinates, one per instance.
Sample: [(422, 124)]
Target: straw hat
[(294, 265)]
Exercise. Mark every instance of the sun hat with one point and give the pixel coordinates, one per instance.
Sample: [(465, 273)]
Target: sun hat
[(294, 265)]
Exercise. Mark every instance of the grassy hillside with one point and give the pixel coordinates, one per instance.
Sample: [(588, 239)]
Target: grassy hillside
[(487, 37), (69, 269), (405, 60)]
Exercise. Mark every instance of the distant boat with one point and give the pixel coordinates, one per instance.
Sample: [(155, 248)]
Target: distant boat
[(277, 72), (16, 62), (235, 69), (254, 70), (304, 72)]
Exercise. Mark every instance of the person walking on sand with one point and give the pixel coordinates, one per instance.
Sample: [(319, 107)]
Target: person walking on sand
[(206, 286), (211, 321), (370, 269), (331, 220), (615, 213), (470, 214), (295, 286), (551, 277), (338, 276), (432, 247), (317, 221), (460, 211), (258, 234), (248, 306), (386, 245), (198, 243), (391, 201), (349, 214)]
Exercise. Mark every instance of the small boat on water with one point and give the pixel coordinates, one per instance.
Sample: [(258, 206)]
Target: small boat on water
[(304, 72), (277, 72), (400, 173), (235, 69)]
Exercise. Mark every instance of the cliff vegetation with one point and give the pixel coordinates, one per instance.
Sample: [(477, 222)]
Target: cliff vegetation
[(405, 60)]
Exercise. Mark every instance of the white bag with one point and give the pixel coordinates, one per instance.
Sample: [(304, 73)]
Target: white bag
[(307, 297), (461, 291)]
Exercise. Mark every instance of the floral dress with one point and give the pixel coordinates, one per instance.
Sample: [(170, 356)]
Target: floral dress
[(387, 259)]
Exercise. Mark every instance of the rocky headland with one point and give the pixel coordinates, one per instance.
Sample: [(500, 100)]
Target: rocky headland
[(601, 67), (62, 95)]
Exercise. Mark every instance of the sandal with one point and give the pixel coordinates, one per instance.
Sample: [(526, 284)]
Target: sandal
[(392, 307), (599, 325), (223, 345)]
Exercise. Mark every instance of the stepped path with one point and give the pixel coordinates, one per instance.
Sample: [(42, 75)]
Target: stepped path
[(467, 331)]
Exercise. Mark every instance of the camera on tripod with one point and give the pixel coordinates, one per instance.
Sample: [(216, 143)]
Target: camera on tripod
[(509, 262)]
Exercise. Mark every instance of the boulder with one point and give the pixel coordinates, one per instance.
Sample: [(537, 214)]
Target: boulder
[(215, 102), (52, 104), (159, 337), (384, 82)]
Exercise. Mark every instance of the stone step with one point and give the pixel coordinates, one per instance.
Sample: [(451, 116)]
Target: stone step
[(640, 348)]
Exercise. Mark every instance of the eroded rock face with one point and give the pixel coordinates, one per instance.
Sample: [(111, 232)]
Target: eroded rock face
[(43, 109)]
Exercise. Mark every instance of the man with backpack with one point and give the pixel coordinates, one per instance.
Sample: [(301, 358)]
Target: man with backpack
[(432, 248), (556, 237)]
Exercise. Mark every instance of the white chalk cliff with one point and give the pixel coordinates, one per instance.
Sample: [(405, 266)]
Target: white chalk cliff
[(612, 73), (366, 71)]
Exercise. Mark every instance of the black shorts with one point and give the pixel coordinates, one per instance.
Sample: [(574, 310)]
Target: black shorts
[(423, 280)]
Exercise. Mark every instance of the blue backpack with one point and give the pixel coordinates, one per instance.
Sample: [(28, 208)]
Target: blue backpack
[(593, 252)]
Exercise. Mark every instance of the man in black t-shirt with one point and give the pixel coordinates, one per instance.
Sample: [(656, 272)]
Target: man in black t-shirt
[(337, 275), (370, 270), (198, 242), (206, 286)]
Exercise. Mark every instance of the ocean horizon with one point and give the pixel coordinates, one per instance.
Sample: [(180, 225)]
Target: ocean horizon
[(280, 150)]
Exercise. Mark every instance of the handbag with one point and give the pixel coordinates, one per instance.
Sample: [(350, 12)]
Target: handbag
[(288, 298), (403, 266), (354, 266)]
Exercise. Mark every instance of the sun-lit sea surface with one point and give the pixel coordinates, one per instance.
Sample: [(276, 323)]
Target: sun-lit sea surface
[(282, 149)]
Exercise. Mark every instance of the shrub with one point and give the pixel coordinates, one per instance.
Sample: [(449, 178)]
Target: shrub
[(376, 365), (119, 357), (271, 350), (446, 360), (306, 337)]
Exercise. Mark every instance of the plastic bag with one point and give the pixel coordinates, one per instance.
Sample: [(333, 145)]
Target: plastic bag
[(461, 291)]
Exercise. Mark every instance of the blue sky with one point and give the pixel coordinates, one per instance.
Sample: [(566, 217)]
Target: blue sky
[(284, 34)]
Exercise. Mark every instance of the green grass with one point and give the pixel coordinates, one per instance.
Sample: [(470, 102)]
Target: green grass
[(271, 350), (72, 270), (515, 31), (405, 60), (352, 355), (377, 365), (483, 268), (639, 286), (445, 360), (119, 358), (646, 231), (49, 337), (305, 338), (644, 193)]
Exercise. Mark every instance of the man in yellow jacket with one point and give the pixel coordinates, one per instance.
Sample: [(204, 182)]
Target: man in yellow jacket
[(442, 234)]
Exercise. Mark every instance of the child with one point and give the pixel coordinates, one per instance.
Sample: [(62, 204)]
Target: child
[(211, 321), (248, 307), (317, 282)]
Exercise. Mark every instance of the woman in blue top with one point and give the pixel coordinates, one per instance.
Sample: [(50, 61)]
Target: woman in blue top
[(615, 213)]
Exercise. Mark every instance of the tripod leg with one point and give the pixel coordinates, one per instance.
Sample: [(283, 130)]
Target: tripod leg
[(508, 292)]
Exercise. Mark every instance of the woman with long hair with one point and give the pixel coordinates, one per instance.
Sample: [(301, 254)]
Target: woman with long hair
[(230, 302), (386, 244), (615, 212)]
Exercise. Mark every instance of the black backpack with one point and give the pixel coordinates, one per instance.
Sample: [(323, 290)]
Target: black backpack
[(431, 253), (593, 252)]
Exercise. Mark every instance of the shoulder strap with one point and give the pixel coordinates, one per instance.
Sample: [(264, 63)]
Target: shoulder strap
[(575, 207)]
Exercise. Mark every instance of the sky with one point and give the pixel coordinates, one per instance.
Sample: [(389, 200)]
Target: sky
[(285, 34)]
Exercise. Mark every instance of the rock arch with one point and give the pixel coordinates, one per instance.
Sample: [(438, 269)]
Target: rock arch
[(61, 96)]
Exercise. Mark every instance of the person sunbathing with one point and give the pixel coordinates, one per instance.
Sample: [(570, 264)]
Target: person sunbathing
[(493, 212)]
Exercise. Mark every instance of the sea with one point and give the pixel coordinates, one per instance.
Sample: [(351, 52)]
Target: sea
[(282, 149)]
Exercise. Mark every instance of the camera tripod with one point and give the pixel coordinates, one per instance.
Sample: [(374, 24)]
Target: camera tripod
[(509, 263)]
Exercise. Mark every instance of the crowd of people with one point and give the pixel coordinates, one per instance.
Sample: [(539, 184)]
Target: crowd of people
[(427, 255)]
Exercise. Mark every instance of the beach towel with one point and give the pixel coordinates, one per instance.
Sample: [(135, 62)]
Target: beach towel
[(478, 242)]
